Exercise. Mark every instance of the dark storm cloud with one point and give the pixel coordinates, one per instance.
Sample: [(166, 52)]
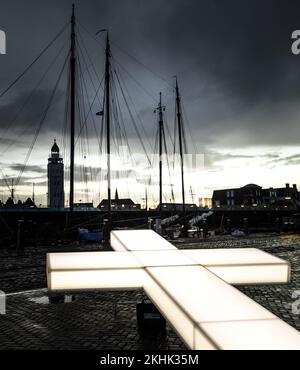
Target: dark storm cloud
[(292, 160), (42, 170), (27, 181), (239, 79), (213, 160), (121, 175), (24, 115), (8, 142), (30, 168)]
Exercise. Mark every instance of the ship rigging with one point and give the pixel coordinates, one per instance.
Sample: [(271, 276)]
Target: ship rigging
[(108, 129)]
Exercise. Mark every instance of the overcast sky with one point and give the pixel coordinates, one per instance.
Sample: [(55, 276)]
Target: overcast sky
[(240, 84)]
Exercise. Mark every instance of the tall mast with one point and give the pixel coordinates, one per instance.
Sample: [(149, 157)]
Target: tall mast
[(180, 130), (12, 190), (161, 132), (73, 105), (146, 199), (108, 146)]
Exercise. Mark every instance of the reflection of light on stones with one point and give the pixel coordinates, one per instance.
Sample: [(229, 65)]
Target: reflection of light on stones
[(69, 298), (27, 292), (40, 327), (45, 299), (39, 300)]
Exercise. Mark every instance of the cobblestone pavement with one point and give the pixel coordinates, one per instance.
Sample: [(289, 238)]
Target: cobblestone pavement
[(108, 320)]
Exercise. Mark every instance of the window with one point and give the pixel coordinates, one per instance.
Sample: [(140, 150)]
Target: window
[(230, 194)]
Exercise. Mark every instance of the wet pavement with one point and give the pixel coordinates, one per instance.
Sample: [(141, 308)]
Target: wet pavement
[(107, 320)]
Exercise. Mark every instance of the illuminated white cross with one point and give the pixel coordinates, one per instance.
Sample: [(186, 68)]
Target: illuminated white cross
[(191, 288)]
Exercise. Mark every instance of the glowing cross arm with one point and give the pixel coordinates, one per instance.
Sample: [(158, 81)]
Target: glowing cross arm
[(139, 240), (93, 271), (243, 266)]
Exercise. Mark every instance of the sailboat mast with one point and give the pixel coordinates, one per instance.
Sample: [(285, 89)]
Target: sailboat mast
[(33, 192), (108, 130), (12, 190), (161, 131), (180, 130), (73, 105)]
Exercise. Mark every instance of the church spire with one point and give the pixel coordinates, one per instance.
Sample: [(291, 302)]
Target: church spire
[(117, 195)]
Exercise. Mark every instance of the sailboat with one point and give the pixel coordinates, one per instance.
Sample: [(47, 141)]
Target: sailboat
[(107, 116)]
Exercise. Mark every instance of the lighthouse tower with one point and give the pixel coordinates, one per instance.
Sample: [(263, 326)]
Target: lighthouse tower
[(56, 195)]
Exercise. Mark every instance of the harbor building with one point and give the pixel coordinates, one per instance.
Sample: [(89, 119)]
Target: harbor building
[(254, 196)]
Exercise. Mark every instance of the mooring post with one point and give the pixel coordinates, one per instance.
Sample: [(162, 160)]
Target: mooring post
[(20, 235), (278, 225), (205, 229), (158, 226), (228, 226), (246, 226), (106, 230)]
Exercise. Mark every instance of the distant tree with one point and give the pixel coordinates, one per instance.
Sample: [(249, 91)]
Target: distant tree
[(10, 202)]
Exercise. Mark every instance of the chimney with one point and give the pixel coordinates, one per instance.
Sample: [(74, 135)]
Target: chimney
[(287, 186)]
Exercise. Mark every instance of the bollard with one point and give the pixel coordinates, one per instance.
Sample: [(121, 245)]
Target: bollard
[(158, 227), (106, 231), (20, 236), (228, 226), (2, 303), (184, 232), (278, 225), (246, 227), (205, 229)]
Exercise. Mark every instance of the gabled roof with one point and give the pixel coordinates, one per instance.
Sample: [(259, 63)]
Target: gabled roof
[(118, 202)]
